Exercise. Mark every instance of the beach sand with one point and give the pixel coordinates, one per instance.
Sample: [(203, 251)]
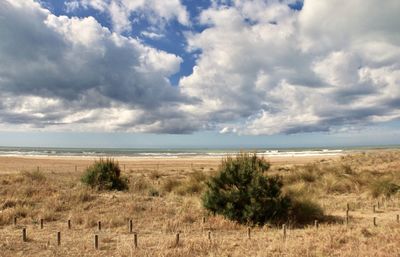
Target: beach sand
[(164, 198), (79, 163)]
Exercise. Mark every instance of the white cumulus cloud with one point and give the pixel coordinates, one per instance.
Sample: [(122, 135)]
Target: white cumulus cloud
[(264, 68), (71, 73), (156, 12)]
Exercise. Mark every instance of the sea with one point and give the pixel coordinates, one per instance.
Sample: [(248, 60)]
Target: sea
[(179, 152)]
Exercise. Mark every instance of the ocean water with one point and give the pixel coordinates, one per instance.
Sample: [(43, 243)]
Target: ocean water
[(174, 152)]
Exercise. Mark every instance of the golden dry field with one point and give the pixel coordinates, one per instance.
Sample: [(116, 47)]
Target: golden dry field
[(164, 199)]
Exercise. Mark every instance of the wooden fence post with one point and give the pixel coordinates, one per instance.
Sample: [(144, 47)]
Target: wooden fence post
[(41, 223), (96, 242), (209, 235), (130, 226), (177, 239), (398, 218), (316, 224), (284, 231), (69, 224), (374, 208), (15, 220), (135, 240), (99, 225), (58, 238), (375, 222), (24, 237)]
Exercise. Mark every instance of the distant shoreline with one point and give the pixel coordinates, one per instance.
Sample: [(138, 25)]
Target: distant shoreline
[(173, 153)]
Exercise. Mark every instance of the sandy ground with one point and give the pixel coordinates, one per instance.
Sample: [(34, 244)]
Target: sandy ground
[(56, 196), (79, 163)]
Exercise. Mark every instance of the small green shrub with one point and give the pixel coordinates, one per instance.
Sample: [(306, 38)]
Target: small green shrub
[(105, 174), (241, 192)]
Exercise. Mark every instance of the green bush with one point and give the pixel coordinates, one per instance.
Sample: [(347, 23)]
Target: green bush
[(105, 174), (242, 192)]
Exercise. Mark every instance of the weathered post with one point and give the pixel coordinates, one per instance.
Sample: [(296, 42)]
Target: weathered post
[(374, 208), (41, 223), (284, 231), (69, 224), (177, 239), (96, 242), (249, 233), (135, 240), (209, 235), (58, 238), (15, 220), (99, 225), (130, 226), (24, 237), (398, 218), (375, 222)]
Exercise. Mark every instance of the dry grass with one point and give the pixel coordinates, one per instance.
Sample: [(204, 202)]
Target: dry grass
[(55, 194)]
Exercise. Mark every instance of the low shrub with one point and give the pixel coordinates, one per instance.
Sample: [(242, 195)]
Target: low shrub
[(241, 192), (105, 174)]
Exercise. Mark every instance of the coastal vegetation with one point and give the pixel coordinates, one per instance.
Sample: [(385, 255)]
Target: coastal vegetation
[(165, 198), (105, 174), (242, 192)]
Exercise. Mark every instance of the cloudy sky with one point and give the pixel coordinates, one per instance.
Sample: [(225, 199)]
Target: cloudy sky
[(138, 73)]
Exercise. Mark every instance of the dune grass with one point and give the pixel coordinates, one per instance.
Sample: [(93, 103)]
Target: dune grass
[(361, 179)]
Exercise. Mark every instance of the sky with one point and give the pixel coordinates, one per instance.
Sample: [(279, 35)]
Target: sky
[(199, 73)]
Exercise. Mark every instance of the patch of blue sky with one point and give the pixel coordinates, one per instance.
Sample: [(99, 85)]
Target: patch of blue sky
[(298, 5)]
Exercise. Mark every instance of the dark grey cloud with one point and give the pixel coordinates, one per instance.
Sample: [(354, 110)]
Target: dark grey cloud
[(82, 66)]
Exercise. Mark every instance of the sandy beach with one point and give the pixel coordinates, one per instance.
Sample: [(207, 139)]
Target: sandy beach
[(61, 164), (164, 198)]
